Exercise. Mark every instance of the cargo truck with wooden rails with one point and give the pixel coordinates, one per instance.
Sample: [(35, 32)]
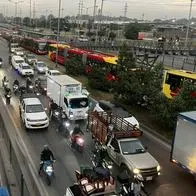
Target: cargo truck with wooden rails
[(183, 151), (121, 141), (67, 93)]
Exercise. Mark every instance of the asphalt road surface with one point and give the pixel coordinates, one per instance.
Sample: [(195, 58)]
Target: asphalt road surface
[(173, 178)]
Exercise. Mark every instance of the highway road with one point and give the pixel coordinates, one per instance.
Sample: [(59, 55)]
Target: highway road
[(173, 179)]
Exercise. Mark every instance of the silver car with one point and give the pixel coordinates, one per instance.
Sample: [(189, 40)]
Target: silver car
[(41, 67)]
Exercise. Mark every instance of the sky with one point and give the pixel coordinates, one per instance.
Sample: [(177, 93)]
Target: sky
[(147, 9)]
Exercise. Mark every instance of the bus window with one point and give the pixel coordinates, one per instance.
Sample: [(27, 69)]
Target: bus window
[(174, 81)]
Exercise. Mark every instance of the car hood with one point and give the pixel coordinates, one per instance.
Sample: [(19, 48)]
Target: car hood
[(132, 120), (27, 70), (43, 68), (142, 161), (36, 116)]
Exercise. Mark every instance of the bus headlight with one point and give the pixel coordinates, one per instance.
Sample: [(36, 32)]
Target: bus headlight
[(136, 171)]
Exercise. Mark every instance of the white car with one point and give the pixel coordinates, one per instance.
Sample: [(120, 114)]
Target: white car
[(16, 61), (30, 58), (41, 67), (19, 52), (53, 72), (25, 69), (83, 39), (33, 114)]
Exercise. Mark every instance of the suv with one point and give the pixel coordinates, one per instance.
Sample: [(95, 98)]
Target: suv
[(16, 60), (32, 113), (25, 69)]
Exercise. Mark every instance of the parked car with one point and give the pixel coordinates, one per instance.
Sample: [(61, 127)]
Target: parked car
[(25, 69), (41, 67), (30, 58), (53, 72), (32, 113)]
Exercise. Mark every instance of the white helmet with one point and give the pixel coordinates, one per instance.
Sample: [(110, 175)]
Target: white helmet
[(139, 178)]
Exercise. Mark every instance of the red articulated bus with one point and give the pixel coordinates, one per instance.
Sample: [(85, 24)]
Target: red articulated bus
[(38, 46)]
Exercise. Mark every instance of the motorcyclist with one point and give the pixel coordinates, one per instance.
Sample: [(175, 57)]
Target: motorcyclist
[(16, 82), (137, 186), (53, 106), (4, 80), (7, 91), (46, 155), (76, 131), (28, 82)]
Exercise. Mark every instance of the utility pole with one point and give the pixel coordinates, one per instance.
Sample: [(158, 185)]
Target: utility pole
[(79, 7), (30, 12), (94, 14), (125, 16), (46, 18), (189, 21)]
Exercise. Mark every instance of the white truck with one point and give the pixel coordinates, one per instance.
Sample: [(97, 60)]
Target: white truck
[(183, 151), (66, 92)]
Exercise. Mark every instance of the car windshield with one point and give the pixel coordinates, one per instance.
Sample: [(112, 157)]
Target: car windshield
[(34, 108), (132, 147), (79, 103), (41, 64), (42, 45), (31, 56), (55, 73), (19, 61), (26, 67)]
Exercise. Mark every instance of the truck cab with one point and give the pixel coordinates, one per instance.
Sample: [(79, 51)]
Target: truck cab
[(129, 154)]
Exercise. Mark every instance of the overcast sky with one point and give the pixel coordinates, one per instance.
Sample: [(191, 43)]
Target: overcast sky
[(151, 9)]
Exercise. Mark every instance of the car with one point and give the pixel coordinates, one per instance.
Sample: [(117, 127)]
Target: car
[(19, 52), (32, 112), (83, 39), (53, 72), (41, 67), (106, 106), (25, 69), (30, 58), (41, 83), (16, 61)]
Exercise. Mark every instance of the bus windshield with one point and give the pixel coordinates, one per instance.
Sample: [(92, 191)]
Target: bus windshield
[(79, 103), (41, 46)]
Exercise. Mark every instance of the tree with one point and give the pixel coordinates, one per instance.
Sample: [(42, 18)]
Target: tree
[(132, 30), (26, 21), (112, 36)]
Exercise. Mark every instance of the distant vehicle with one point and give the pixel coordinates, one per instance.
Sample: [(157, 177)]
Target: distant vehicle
[(184, 145), (16, 60), (25, 69), (53, 72), (32, 113), (83, 39), (1, 62), (41, 67), (19, 52), (13, 47), (30, 59)]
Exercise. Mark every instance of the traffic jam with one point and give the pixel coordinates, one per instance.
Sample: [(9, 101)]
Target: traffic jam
[(107, 152)]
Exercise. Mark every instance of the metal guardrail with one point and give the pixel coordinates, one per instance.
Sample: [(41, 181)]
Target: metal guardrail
[(21, 161)]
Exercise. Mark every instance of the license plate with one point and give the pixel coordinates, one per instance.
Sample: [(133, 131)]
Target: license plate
[(148, 178)]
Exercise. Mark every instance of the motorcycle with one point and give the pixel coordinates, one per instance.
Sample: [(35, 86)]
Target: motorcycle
[(77, 142), (5, 84), (48, 170), (15, 89), (30, 88)]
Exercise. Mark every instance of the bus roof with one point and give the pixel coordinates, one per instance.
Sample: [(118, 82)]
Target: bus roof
[(183, 73), (60, 45)]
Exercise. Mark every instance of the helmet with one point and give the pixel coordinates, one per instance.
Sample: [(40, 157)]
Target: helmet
[(138, 178), (45, 146)]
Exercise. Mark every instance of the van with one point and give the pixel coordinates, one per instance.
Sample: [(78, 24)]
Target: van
[(16, 60)]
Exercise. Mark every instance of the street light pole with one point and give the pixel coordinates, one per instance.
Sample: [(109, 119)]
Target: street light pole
[(58, 31), (30, 12), (189, 20)]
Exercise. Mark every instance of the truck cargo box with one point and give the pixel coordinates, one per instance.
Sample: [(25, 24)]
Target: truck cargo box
[(183, 150)]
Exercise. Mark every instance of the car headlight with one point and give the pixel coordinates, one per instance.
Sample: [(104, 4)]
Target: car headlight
[(45, 89), (136, 171), (29, 120), (158, 168)]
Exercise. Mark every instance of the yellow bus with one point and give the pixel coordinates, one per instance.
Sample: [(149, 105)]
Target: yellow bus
[(173, 80), (52, 48)]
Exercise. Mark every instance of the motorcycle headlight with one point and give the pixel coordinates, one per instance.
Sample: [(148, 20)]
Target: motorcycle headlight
[(67, 124), (30, 86), (49, 169), (45, 89), (136, 171), (71, 114), (56, 113), (158, 168), (80, 140)]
